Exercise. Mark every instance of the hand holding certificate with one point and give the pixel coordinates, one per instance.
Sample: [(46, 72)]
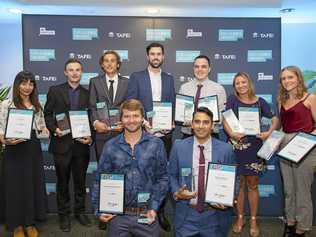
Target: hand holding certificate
[(62, 124), (19, 124), (249, 119), (298, 147), (111, 198), (270, 145), (79, 122), (220, 184)]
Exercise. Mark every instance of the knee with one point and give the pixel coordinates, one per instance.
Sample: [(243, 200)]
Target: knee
[(252, 184)]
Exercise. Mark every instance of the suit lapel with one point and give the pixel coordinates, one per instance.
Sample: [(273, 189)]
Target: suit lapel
[(215, 152), (118, 91), (82, 100), (189, 161), (147, 84), (104, 87), (164, 88)]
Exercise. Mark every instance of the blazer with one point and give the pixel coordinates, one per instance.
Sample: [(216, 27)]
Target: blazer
[(181, 157), (58, 102), (139, 87), (99, 92)]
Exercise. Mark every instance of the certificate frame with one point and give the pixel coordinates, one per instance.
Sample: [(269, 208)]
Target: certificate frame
[(186, 96), (216, 117), (159, 103), (122, 177), (219, 166), (74, 113), (249, 109), (305, 154), (277, 137), (7, 122)]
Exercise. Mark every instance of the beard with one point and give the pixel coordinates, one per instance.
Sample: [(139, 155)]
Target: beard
[(136, 129), (155, 63)]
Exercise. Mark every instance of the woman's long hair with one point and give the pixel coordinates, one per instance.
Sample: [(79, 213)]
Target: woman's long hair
[(24, 76), (301, 88)]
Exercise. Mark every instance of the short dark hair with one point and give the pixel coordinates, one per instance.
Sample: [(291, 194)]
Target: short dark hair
[(204, 57), (205, 110), (72, 60), (118, 58), (132, 105), (155, 45)]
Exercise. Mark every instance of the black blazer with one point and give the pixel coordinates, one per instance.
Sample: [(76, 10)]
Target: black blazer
[(58, 102)]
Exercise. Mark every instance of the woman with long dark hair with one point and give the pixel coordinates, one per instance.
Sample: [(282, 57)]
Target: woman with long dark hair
[(297, 114), (23, 174), (249, 166)]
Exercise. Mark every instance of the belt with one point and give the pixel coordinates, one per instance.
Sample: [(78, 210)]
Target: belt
[(134, 210)]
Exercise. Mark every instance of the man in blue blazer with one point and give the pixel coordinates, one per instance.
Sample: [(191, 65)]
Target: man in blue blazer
[(152, 84), (189, 158)]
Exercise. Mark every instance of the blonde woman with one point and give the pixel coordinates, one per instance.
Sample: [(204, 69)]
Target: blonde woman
[(297, 114), (249, 166)]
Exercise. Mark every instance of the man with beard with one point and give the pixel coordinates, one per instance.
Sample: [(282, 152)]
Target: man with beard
[(150, 85), (193, 217), (142, 159)]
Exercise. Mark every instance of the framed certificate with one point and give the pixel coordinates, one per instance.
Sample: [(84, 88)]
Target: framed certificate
[(63, 123), (111, 193), (233, 121), (19, 124), (270, 146), (249, 119), (79, 122), (220, 184), (298, 147), (162, 116), (211, 102), (184, 108)]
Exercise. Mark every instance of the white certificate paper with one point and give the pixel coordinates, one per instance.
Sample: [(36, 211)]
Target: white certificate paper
[(249, 119), (233, 121), (211, 102), (19, 124), (220, 186), (184, 108), (162, 116), (298, 147), (111, 198), (79, 122), (270, 146)]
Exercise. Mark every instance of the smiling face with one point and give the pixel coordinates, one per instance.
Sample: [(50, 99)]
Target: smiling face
[(110, 64), (73, 72), (289, 80), (241, 85), (26, 88), (155, 57), (132, 120), (201, 69), (202, 126)]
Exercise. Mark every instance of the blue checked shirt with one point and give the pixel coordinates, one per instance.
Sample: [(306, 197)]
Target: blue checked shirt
[(145, 169)]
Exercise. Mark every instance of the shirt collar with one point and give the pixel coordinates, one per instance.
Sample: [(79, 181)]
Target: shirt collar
[(115, 78), (151, 74), (144, 137), (206, 144)]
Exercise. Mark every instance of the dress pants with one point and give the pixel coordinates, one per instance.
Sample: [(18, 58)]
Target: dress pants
[(75, 164)]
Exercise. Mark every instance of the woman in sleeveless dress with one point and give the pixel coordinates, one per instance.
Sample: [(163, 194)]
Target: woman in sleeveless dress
[(249, 166), (23, 173), (297, 114)]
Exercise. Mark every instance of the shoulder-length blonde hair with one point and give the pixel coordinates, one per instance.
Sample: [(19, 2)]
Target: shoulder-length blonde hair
[(301, 88), (251, 88)]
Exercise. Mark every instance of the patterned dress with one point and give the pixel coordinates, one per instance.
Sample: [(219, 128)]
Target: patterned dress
[(246, 149)]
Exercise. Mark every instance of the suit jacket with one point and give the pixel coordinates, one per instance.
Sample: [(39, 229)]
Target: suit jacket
[(99, 92), (58, 102), (181, 157), (139, 87)]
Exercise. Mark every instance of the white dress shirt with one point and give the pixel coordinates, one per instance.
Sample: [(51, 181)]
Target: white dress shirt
[(115, 79), (155, 81)]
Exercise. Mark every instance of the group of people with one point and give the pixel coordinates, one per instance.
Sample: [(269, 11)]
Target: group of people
[(151, 163)]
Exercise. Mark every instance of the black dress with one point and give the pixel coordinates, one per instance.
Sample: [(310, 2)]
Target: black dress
[(23, 184)]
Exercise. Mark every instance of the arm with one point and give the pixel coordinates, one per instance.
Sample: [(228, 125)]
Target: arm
[(49, 112), (161, 186), (312, 103), (173, 169), (132, 89)]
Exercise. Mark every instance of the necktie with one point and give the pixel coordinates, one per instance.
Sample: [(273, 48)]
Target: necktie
[(201, 180), (111, 91), (197, 97)]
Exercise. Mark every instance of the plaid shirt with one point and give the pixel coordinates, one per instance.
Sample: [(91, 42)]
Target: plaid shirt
[(146, 173)]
